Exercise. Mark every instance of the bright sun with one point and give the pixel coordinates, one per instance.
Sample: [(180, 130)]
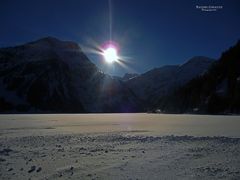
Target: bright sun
[(110, 55)]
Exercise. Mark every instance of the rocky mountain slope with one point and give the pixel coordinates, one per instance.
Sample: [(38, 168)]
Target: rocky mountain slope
[(50, 75)]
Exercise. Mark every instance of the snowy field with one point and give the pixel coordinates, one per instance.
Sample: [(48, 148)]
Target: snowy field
[(119, 146)]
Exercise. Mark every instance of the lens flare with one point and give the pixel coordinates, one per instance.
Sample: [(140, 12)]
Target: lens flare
[(110, 55)]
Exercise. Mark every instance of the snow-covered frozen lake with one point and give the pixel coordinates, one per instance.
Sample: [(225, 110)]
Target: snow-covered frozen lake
[(119, 146), (152, 124)]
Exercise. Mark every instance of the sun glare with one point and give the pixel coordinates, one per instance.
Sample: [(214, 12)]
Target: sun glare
[(110, 55)]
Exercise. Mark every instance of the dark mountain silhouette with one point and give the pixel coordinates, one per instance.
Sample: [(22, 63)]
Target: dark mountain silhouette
[(50, 75), (216, 92)]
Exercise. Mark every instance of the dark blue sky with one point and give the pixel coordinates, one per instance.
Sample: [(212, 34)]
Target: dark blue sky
[(151, 32)]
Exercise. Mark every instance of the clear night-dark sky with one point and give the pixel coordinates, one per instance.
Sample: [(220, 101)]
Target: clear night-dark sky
[(152, 33)]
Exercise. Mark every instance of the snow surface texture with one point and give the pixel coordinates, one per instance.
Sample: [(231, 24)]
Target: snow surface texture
[(91, 147), (119, 156)]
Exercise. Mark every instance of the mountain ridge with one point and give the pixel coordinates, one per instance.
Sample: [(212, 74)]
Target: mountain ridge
[(53, 76)]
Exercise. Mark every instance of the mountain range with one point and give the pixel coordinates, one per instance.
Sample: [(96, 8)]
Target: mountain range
[(54, 76)]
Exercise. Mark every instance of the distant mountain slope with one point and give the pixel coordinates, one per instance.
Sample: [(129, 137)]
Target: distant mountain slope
[(161, 81), (50, 75), (129, 76), (216, 92)]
